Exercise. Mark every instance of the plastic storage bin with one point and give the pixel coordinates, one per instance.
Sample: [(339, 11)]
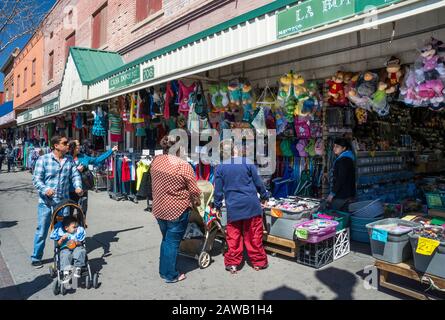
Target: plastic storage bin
[(397, 247), (316, 255), (290, 215), (358, 228), (314, 236), (341, 217), (281, 227), (367, 209), (434, 264)]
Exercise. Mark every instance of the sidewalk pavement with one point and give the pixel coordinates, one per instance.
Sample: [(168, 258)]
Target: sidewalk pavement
[(123, 243)]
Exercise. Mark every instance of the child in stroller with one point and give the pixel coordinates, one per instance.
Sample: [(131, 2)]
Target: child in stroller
[(68, 232), (69, 237)]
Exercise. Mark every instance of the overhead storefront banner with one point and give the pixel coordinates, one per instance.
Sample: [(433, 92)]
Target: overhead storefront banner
[(7, 118), (47, 109), (148, 73), (315, 13), (125, 79)]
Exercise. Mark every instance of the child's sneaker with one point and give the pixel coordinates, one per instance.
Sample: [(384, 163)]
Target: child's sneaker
[(77, 272), (66, 277)]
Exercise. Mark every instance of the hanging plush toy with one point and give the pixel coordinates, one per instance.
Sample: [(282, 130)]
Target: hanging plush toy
[(361, 96), (362, 115), (379, 101), (337, 90), (235, 93), (425, 82), (394, 75), (285, 84), (247, 101), (225, 94)]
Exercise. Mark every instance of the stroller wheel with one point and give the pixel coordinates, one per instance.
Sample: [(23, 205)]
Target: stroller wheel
[(204, 260), (52, 271), (56, 287), (62, 289), (88, 282), (96, 280)]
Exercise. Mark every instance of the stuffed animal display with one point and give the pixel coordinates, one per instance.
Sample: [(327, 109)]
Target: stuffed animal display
[(394, 75), (425, 82), (337, 90)]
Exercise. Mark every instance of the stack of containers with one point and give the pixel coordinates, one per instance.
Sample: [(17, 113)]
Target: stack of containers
[(390, 241), (363, 213), (316, 248)]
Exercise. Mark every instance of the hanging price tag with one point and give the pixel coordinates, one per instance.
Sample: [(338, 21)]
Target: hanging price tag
[(276, 213), (379, 235), (301, 233), (426, 246)]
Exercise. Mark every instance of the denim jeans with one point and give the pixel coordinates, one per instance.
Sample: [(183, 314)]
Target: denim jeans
[(74, 257), (172, 234), (44, 213)]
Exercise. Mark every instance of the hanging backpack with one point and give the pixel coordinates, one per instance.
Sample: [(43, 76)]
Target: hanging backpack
[(302, 130)]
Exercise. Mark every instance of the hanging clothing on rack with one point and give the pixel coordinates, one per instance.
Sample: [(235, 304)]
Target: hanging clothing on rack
[(115, 127), (135, 109), (99, 123)]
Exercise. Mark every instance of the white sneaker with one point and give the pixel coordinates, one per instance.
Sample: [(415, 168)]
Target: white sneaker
[(77, 272)]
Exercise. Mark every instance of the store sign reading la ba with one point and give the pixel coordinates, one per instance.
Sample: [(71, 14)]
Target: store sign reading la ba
[(316, 13)]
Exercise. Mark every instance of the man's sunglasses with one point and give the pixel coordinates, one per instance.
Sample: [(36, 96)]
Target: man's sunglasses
[(64, 143)]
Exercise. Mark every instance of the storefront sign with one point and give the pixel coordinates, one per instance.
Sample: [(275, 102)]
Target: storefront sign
[(7, 118), (316, 13), (148, 73), (47, 109), (128, 78), (426, 246)]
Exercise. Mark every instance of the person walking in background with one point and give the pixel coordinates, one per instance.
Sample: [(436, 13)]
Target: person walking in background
[(53, 174), (342, 176), (82, 161), (2, 156), (237, 181), (10, 156), (175, 192)]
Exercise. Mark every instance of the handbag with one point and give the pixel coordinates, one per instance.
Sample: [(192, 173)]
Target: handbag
[(87, 180)]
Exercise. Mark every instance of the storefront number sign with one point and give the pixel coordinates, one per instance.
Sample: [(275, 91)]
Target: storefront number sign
[(379, 235), (148, 73), (125, 79), (315, 13), (426, 246), (51, 108)]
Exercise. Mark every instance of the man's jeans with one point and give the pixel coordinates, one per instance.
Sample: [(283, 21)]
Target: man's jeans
[(172, 234), (44, 213), (67, 256)]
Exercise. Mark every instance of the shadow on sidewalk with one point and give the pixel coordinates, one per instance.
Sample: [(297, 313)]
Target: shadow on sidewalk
[(285, 293), (8, 224), (104, 239), (25, 290), (341, 282)]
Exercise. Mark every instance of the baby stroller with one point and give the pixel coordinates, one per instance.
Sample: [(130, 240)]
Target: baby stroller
[(204, 228), (91, 280)]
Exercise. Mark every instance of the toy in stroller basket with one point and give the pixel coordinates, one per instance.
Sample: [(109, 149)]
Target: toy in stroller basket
[(204, 228), (66, 209)]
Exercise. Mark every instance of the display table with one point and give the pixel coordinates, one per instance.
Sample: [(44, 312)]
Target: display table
[(407, 270), (280, 245)]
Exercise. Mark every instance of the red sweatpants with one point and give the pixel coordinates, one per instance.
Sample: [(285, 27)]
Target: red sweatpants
[(249, 232)]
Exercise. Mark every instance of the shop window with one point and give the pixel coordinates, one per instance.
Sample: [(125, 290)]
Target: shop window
[(99, 34), (33, 76), (51, 65), (145, 8), (18, 86), (69, 42), (25, 78)]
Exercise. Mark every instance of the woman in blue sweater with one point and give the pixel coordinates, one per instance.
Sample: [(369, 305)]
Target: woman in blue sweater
[(82, 162), (237, 181)]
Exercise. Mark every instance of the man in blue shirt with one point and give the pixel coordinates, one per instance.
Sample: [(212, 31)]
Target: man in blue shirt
[(53, 174)]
